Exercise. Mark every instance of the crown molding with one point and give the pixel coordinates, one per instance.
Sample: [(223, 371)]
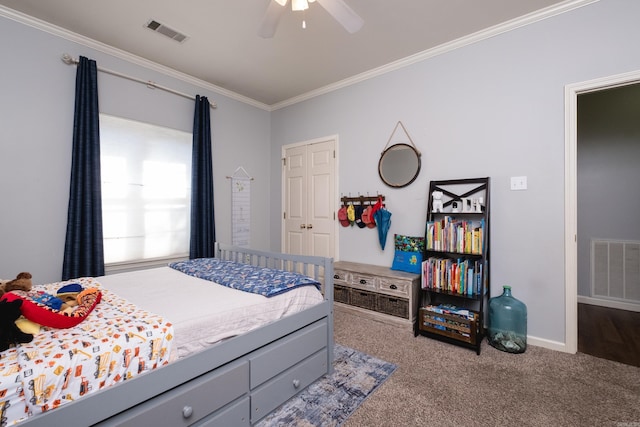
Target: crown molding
[(441, 49), (504, 27), (121, 54)]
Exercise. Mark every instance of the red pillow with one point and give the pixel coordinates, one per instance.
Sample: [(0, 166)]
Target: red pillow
[(47, 316)]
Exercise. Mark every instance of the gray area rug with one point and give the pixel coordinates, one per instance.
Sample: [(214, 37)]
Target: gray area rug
[(330, 400)]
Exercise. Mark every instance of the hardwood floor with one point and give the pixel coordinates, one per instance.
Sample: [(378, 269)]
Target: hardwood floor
[(609, 333)]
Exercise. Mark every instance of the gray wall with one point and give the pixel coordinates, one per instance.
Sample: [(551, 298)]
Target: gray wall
[(608, 171), (494, 108), (36, 122)]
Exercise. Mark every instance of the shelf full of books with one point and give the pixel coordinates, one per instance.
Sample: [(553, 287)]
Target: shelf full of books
[(460, 276), (453, 235), (455, 278)]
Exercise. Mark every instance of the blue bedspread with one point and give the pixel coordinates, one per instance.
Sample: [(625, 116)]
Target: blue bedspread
[(258, 280)]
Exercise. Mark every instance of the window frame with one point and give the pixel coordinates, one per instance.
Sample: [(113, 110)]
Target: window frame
[(142, 263)]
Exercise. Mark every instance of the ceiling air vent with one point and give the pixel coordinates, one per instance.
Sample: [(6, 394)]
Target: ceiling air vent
[(166, 31)]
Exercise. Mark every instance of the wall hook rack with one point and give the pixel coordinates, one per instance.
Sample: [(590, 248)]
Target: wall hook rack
[(361, 200)]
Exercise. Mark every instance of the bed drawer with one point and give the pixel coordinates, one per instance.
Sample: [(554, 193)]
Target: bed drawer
[(190, 402), (271, 394), (236, 415), (275, 358)]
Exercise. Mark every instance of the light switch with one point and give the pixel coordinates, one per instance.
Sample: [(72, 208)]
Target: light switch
[(518, 183)]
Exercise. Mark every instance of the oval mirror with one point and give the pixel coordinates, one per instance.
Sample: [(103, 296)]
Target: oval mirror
[(399, 165)]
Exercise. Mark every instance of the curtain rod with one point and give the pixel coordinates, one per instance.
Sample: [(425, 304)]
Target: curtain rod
[(69, 60)]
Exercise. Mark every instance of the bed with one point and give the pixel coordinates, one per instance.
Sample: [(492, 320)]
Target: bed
[(211, 377)]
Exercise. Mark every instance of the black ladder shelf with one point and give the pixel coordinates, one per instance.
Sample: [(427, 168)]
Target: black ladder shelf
[(455, 285)]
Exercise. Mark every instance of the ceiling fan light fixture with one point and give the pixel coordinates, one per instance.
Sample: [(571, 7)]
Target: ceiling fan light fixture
[(338, 9), (298, 5)]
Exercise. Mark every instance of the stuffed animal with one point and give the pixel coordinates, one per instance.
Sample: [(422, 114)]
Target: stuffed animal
[(10, 334), (22, 282), (437, 201)]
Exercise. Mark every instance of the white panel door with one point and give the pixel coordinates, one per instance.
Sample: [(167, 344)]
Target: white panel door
[(295, 202), (309, 199)]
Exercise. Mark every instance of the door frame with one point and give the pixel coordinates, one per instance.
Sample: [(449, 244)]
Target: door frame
[(336, 200), (571, 189)]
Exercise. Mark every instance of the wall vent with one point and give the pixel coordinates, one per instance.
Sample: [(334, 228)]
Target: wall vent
[(166, 31), (615, 270)]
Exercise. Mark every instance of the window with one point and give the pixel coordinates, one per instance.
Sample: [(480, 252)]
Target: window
[(146, 190)]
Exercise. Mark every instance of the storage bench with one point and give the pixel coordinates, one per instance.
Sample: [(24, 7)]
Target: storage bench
[(379, 292)]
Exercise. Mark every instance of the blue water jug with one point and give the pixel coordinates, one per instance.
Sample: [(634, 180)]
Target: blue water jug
[(507, 323)]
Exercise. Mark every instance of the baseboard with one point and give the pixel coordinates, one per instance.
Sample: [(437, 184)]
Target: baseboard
[(538, 342), (560, 346), (620, 305), (551, 345)]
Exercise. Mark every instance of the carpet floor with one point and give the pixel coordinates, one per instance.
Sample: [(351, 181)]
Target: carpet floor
[(331, 400), (439, 384)]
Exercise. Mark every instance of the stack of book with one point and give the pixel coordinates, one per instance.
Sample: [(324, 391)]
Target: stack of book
[(452, 235), (461, 276)]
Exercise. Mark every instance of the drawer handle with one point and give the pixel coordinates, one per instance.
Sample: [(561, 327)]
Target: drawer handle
[(335, 276), (363, 282), (393, 287), (187, 411), (296, 383)]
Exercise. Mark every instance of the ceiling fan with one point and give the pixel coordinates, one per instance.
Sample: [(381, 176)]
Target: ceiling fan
[(340, 11)]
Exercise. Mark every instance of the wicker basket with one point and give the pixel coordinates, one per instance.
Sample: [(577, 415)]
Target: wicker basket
[(363, 299), (392, 305), (341, 294)]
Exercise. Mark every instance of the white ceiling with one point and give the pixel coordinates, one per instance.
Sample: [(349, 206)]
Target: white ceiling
[(224, 49)]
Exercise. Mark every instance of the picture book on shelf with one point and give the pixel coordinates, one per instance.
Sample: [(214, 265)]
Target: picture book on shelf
[(452, 235)]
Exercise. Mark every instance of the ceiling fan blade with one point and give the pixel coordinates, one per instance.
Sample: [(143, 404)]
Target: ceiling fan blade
[(271, 19), (342, 13)]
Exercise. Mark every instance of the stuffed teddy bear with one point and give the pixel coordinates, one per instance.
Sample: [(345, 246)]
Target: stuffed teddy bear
[(9, 331), (22, 282)]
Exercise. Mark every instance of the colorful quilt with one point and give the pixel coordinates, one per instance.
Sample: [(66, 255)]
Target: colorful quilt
[(259, 280), (12, 405), (116, 341)]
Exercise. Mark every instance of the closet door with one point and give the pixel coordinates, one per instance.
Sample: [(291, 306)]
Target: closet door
[(309, 199)]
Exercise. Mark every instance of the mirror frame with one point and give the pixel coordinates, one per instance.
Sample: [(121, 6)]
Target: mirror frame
[(415, 175)]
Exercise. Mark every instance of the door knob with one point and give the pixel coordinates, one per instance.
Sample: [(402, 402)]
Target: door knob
[(309, 225), (303, 226)]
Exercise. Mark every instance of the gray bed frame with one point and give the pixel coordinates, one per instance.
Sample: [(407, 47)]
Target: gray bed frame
[(232, 383)]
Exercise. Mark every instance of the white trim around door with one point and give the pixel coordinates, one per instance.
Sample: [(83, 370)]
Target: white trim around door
[(571, 188), (324, 211)]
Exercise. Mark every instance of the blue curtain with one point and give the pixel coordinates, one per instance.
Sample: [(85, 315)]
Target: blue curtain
[(203, 229), (83, 249)]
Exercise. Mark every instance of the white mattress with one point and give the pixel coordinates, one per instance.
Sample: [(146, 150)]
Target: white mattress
[(201, 311)]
